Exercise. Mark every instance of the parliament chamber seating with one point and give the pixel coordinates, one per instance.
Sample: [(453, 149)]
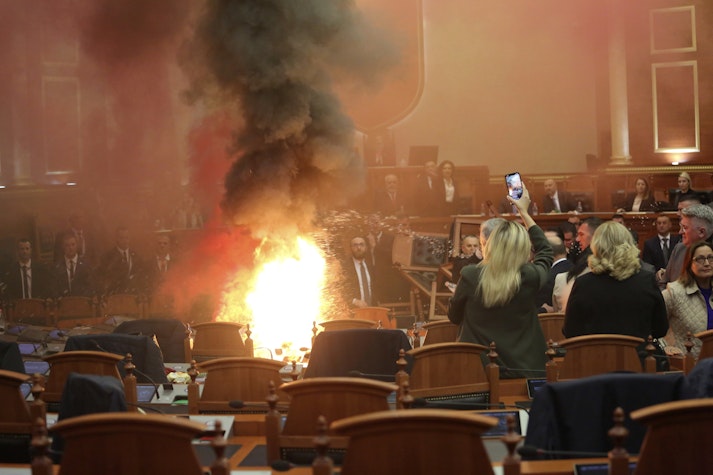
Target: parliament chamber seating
[(123, 305), (706, 338), (217, 340), (415, 442), (243, 379), (85, 362), (72, 311), (122, 443), (347, 324), (332, 398), (160, 305), (442, 331), (16, 418), (551, 324), (30, 311), (377, 315), (452, 374), (679, 438), (588, 355)]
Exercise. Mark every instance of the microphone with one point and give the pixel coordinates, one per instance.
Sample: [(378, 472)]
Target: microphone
[(532, 451), (282, 465), (238, 404), (136, 370), (146, 408)]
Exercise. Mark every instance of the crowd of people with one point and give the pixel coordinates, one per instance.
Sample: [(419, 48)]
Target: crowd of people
[(81, 268)]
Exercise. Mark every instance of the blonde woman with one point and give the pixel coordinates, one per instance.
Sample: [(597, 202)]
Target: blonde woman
[(496, 301), (617, 296)]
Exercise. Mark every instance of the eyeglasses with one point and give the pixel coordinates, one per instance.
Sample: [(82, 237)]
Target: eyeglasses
[(701, 260)]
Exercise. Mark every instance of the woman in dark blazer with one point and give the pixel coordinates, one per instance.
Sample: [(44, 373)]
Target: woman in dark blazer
[(641, 199)]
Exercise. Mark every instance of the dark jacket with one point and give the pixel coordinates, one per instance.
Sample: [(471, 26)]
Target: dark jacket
[(567, 202), (40, 281), (653, 253)]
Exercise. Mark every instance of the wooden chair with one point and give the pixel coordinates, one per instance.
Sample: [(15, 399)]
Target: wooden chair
[(452, 371), (552, 324), (679, 437), (160, 305), (417, 442), (16, 418), (588, 355), (88, 362), (217, 340), (333, 398), (230, 379), (441, 331), (74, 310), (124, 305), (119, 443), (346, 324), (376, 314), (706, 338), (32, 311)]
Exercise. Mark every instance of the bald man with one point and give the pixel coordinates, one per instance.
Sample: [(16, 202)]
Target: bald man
[(556, 201)]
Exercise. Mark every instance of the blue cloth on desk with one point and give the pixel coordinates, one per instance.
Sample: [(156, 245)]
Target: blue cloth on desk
[(370, 352), (146, 356), (576, 415)]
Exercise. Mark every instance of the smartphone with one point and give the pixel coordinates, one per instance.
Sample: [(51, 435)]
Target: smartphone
[(514, 183)]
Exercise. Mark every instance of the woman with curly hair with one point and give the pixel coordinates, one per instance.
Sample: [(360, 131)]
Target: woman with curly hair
[(617, 296)]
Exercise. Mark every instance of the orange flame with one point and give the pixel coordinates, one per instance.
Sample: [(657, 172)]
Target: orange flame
[(281, 298)]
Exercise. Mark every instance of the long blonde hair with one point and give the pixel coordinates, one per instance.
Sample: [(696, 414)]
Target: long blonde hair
[(614, 251), (505, 251)]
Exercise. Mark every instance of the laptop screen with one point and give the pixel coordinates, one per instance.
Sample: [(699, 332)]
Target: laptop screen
[(145, 392), (501, 428), (534, 385), (32, 367)]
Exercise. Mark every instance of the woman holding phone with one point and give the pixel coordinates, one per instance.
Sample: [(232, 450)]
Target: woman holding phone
[(495, 301)]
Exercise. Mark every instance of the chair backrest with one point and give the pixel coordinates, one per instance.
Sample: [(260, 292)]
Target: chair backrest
[(706, 338), (241, 378), (75, 310), (32, 311), (14, 412), (393, 442), (333, 398), (125, 305), (679, 437), (145, 354), (441, 331), (160, 305), (170, 333), (10, 357), (445, 371), (87, 362), (217, 340), (346, 324), (588, 355), (375, 314), (115, 443), (552, 324)]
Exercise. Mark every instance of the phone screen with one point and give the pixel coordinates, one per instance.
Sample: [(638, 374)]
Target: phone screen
[(514, 184)]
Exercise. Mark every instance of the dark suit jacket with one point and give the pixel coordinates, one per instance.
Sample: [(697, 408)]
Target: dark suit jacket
[(648, 204), (116, 278), (384, 205), (41, 281), (653, 253), (350, 283), (601, 304), (91, 254), (545, 294), (82, 285), (567, 202), (153, 277), (429, 200)]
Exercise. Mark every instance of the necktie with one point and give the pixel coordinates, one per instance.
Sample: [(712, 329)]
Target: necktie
[(365, 284), (665, 249), (25, 283), (80, 242), (70, 268)]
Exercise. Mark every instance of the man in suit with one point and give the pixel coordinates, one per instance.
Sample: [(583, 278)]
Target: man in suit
[(72, 275), (86, 240), (359, 283), (556, 201), (696, 225), (560, 265), (429, 191), (162, 263), (26, 278), (658, 248), (391, 201), (121, 268)]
